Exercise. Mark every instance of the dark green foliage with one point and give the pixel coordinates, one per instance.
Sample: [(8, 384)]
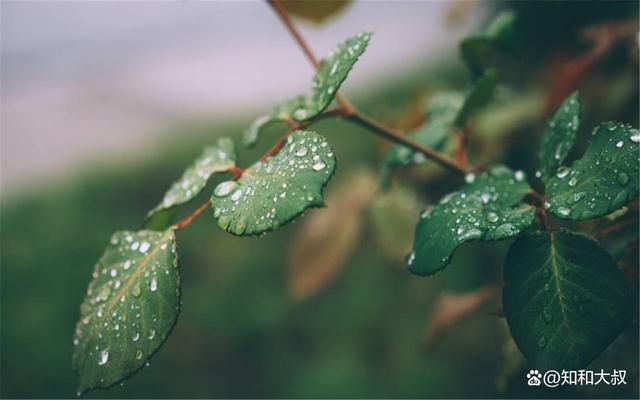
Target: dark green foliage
[(564, 299)]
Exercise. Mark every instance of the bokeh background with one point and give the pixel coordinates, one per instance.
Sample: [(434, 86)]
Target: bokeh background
[(105, 103)]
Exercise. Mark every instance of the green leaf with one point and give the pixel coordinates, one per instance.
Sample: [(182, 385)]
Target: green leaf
[(130, 308), (281, 113), (559, 136), (332, 72), (502, 30), (214, 159), (478, 50), (603, 180), (441, 110), (273, 192), (478, 96), (564, 299), (485, 208)]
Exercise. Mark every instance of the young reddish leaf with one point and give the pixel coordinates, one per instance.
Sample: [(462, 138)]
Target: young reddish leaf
[(327, 238)]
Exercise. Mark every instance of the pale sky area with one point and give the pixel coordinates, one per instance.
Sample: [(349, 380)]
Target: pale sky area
[(85, 80)]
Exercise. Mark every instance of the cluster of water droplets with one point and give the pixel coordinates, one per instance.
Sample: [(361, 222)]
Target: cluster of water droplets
[(332, 72), (274, 190), (605, 179), (115, 315), (213, 159), (482, 209)]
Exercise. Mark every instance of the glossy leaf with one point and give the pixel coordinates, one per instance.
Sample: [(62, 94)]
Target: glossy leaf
[(485, 208), (214, 159), (272, 192), (564, 299), (603, 180), (559, 136), (441, 111), (281, 113), (332, 72), (478, 50), (130, 308)]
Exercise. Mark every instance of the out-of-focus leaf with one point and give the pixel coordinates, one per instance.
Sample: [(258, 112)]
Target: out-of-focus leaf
[(478, 50), (332, 72), (214, 159), (559, 136), (478, 95), (273, 192), (130, 308), (483, 209), (327, 238), (393, 218), (315, 11), (564, 299), (603, 180), (281, 113), (451, 308), (441, 111)]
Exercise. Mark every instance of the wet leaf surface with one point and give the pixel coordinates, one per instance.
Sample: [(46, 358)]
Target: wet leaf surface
[(603, 180), (273, 192), (131, 305), (564, 299), (485, 208)]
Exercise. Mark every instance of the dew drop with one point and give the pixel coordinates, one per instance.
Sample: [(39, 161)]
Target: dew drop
[(136, 290), (519, 176), (319, 166), (136, 336), (573, 181), (470, 178), (104, 357), (619, 144), (236, 195), (138, 354), (562, 172), (126, 265), (144, 247), (152, 334), (153, 285), (411, 258), (224, 188), (623, 178), (564, 211), (492, 217), (635, 138), (301, 152)]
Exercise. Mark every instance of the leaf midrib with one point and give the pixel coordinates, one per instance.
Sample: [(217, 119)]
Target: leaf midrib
[(109, 305)]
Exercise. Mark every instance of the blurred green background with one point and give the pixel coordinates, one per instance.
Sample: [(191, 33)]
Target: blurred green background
[(240, 332)]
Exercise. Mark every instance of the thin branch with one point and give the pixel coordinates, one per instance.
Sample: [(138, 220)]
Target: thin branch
[(349, 112), (400, 138), (286, 20), (187, 220)]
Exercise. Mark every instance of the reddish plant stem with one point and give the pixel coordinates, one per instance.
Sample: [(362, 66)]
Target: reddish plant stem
[(187, 220), (288, 23), (400, 138), (461, 148), (615, 228)]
